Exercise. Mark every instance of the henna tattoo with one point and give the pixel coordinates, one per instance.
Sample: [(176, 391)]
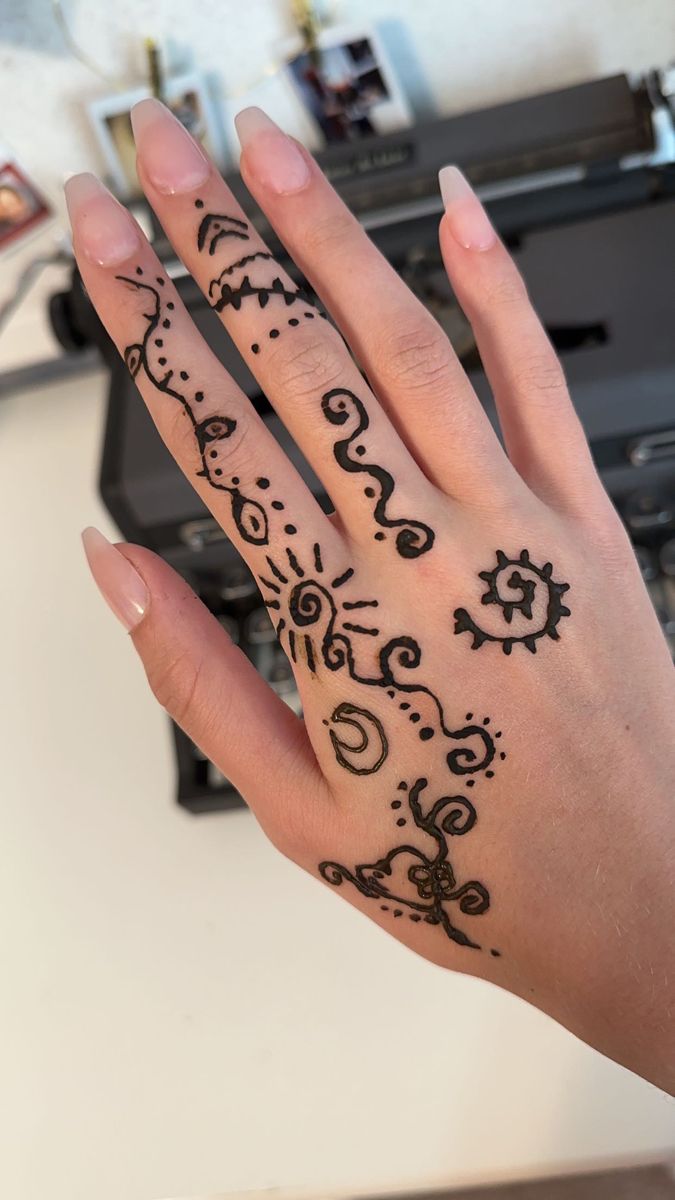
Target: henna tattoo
[(372, 739), (234, 296), (525, 583), (331, 640), (421, 881), (235, 266), (212, 229), (149, 355), (340, 407)]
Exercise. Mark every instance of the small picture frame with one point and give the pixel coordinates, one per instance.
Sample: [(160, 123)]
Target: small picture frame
[(22, 208), (188, 98), (349, 87)]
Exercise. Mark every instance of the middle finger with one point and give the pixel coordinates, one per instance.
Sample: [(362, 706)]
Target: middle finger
[(297, 356)]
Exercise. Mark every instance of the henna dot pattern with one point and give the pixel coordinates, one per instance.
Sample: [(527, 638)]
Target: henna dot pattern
[(512, 587), (226, 293), (211, 432), (341, 407)]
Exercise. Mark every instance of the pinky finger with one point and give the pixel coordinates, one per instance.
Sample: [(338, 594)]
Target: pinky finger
[(209, 687), (543, 435)]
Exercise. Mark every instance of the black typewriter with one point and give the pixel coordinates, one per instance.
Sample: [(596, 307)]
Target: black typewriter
[(580, 184)]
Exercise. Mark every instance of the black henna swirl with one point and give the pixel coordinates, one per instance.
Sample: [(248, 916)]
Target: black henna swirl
[(308, 602), (339, 406), (522, 579), (464, 760)]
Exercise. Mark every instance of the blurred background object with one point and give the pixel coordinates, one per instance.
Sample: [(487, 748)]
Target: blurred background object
[(169, 1029)]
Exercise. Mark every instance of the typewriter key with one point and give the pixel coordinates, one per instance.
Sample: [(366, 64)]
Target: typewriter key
[(667, 557), (231, 628), (281, 675), (237, 584), (259, 628), (647, 563)]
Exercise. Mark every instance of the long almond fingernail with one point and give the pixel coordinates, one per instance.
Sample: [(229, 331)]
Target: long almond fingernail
[(467, 220), (103, 229), (117, 580), (172, 160), (272, 157)]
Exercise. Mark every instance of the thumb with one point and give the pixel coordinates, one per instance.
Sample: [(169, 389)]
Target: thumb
[(210, 688)]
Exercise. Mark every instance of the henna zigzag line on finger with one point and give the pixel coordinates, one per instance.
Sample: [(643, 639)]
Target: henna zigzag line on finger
[(432, 876), (249, 516), (414, 537), (235, 266), (233, 297)]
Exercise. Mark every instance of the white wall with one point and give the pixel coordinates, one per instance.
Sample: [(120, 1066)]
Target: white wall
[(469, 54)]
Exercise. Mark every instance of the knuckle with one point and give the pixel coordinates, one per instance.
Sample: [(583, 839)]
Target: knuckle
[(506, 290), (174, 682), (327, 235), (540, 374), (312, 364), (417, 356)]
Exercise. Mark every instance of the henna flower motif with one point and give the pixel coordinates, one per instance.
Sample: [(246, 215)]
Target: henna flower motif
[(433, 882)]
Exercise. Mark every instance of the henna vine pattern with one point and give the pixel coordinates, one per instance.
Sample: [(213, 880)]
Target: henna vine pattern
[(524, 582), (330, 632), (319, 628), (372, 740), (342, 407), (210, 431), (421, 880)]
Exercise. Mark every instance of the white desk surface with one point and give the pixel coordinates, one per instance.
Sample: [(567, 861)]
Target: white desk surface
[(184, 1013)]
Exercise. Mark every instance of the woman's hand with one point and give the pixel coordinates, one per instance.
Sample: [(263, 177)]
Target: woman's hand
[(487, 759)]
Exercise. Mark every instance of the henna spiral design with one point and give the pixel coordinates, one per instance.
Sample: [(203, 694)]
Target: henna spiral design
[(464, 760), (308, 602), (523, 583)]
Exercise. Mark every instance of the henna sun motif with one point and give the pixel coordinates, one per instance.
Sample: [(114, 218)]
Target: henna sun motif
[(328, 631), (524, 582)]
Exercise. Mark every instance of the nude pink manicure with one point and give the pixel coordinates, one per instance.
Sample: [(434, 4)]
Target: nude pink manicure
[(172, 160), (467, 219), (117, 580), (104, 231), (272, 157)]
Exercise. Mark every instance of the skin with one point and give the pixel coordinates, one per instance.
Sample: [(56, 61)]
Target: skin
[(575, 836)]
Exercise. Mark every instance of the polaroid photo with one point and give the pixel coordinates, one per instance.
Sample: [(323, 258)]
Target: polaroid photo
[(348, 86), (187, 97), (22, 208)]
